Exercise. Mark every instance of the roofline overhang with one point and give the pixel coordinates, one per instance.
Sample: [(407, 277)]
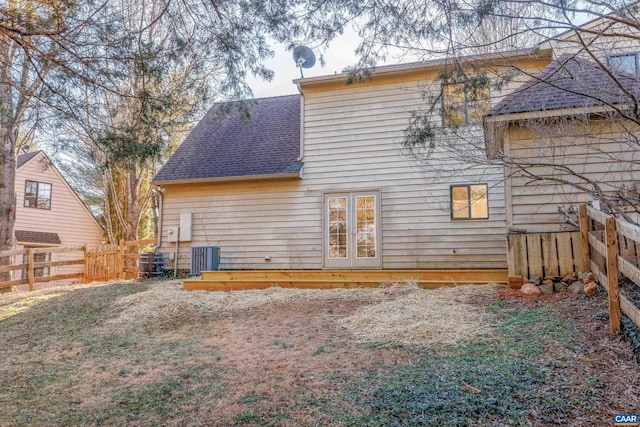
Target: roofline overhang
[(400, 69), (561, 112), (292, 175), (39, 244)]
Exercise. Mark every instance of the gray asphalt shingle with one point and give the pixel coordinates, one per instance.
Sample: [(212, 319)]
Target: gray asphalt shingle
[(24, 158), (226, 143), (40, 237), (570, 82)]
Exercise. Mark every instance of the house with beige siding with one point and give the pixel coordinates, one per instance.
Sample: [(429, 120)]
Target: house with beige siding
[(569, 136), (320, 180), (49, 213)]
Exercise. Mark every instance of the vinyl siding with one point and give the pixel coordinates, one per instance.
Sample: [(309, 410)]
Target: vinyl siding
[(603, 40), (248, 220), (68, 217), (597, 151), (352, 142)]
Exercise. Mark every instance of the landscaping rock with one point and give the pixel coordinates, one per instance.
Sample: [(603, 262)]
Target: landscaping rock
[(553, 278), (535, 279), (530, 289), (547, 282), (569, 279), (515, 282), (576, 287), (546, 289), (589, 278), (590, 289), (560, 287)]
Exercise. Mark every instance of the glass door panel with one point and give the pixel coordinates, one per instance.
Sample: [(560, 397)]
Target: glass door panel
[(366, 226), (338, 233), (352, 230)]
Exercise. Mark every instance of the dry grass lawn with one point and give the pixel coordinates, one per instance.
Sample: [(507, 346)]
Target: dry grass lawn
[(152, 354)]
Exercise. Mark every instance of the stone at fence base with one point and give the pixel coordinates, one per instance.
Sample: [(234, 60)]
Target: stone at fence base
[(535, 279), (515, 282), (576, 287), (546, 289), (560, 287), (530, 289), (547, 282), (589, 278), (590, 289), (569, 278)]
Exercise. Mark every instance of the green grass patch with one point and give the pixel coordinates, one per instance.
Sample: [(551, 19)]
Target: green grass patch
[(508, 379)]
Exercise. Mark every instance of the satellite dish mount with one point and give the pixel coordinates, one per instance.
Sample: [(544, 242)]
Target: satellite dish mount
[(304, 58)]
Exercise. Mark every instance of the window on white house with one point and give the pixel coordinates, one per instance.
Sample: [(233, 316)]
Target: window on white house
[(38, 257), (37, 195), (460, 106), (469, 201), (627, 63)]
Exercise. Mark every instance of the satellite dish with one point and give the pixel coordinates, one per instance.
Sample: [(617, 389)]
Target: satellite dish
[(304, 58)]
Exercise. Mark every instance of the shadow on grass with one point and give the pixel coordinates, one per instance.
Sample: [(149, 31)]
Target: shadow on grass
[(63, 367), (519, 377)]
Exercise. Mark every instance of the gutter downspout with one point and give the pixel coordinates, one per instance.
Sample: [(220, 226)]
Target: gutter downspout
[(160, 193), (301, 158)]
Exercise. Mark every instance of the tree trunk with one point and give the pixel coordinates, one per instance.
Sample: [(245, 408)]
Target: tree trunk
[(8, 135), (133, 215), (7, 189)]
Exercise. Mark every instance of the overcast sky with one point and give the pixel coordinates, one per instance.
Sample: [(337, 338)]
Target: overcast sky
[(338, 56)]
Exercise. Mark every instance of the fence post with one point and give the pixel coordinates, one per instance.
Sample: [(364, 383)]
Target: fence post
[(30, 270), (584, 234), (85, 271), (121, 259), (612, 275)]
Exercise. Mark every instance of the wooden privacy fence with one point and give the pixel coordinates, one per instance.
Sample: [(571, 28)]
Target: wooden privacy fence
[(544, 254), (103, 263), (610, 253)]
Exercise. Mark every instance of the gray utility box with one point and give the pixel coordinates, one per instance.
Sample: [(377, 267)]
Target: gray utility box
[(204, 258)]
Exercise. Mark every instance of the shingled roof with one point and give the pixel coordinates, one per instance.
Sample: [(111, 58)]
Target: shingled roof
[(228, 144), (570, 82), (40, 237), (24, 158)]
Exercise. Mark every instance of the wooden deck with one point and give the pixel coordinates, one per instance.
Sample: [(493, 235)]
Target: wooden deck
[(331, 279)]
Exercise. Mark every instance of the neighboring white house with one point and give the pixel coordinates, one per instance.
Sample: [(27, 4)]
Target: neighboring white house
[(49, 213)]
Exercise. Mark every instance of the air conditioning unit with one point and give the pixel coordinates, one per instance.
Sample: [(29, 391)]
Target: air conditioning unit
[(204, 258)]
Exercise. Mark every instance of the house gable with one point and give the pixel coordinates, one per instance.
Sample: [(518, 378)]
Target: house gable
[(67, 217)]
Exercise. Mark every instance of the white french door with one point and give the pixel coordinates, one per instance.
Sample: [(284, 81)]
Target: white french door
[(352, 229)]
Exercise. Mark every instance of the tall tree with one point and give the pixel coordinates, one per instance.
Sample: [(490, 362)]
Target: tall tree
[(121, 53)]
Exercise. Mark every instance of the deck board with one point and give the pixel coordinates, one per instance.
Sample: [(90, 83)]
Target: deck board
[(343, 279)]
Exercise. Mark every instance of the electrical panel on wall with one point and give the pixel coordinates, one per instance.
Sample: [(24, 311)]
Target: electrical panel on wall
[(185, 226), (184, 230)]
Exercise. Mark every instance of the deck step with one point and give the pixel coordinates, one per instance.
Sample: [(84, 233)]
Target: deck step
[(338, 279), (495, 275)]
